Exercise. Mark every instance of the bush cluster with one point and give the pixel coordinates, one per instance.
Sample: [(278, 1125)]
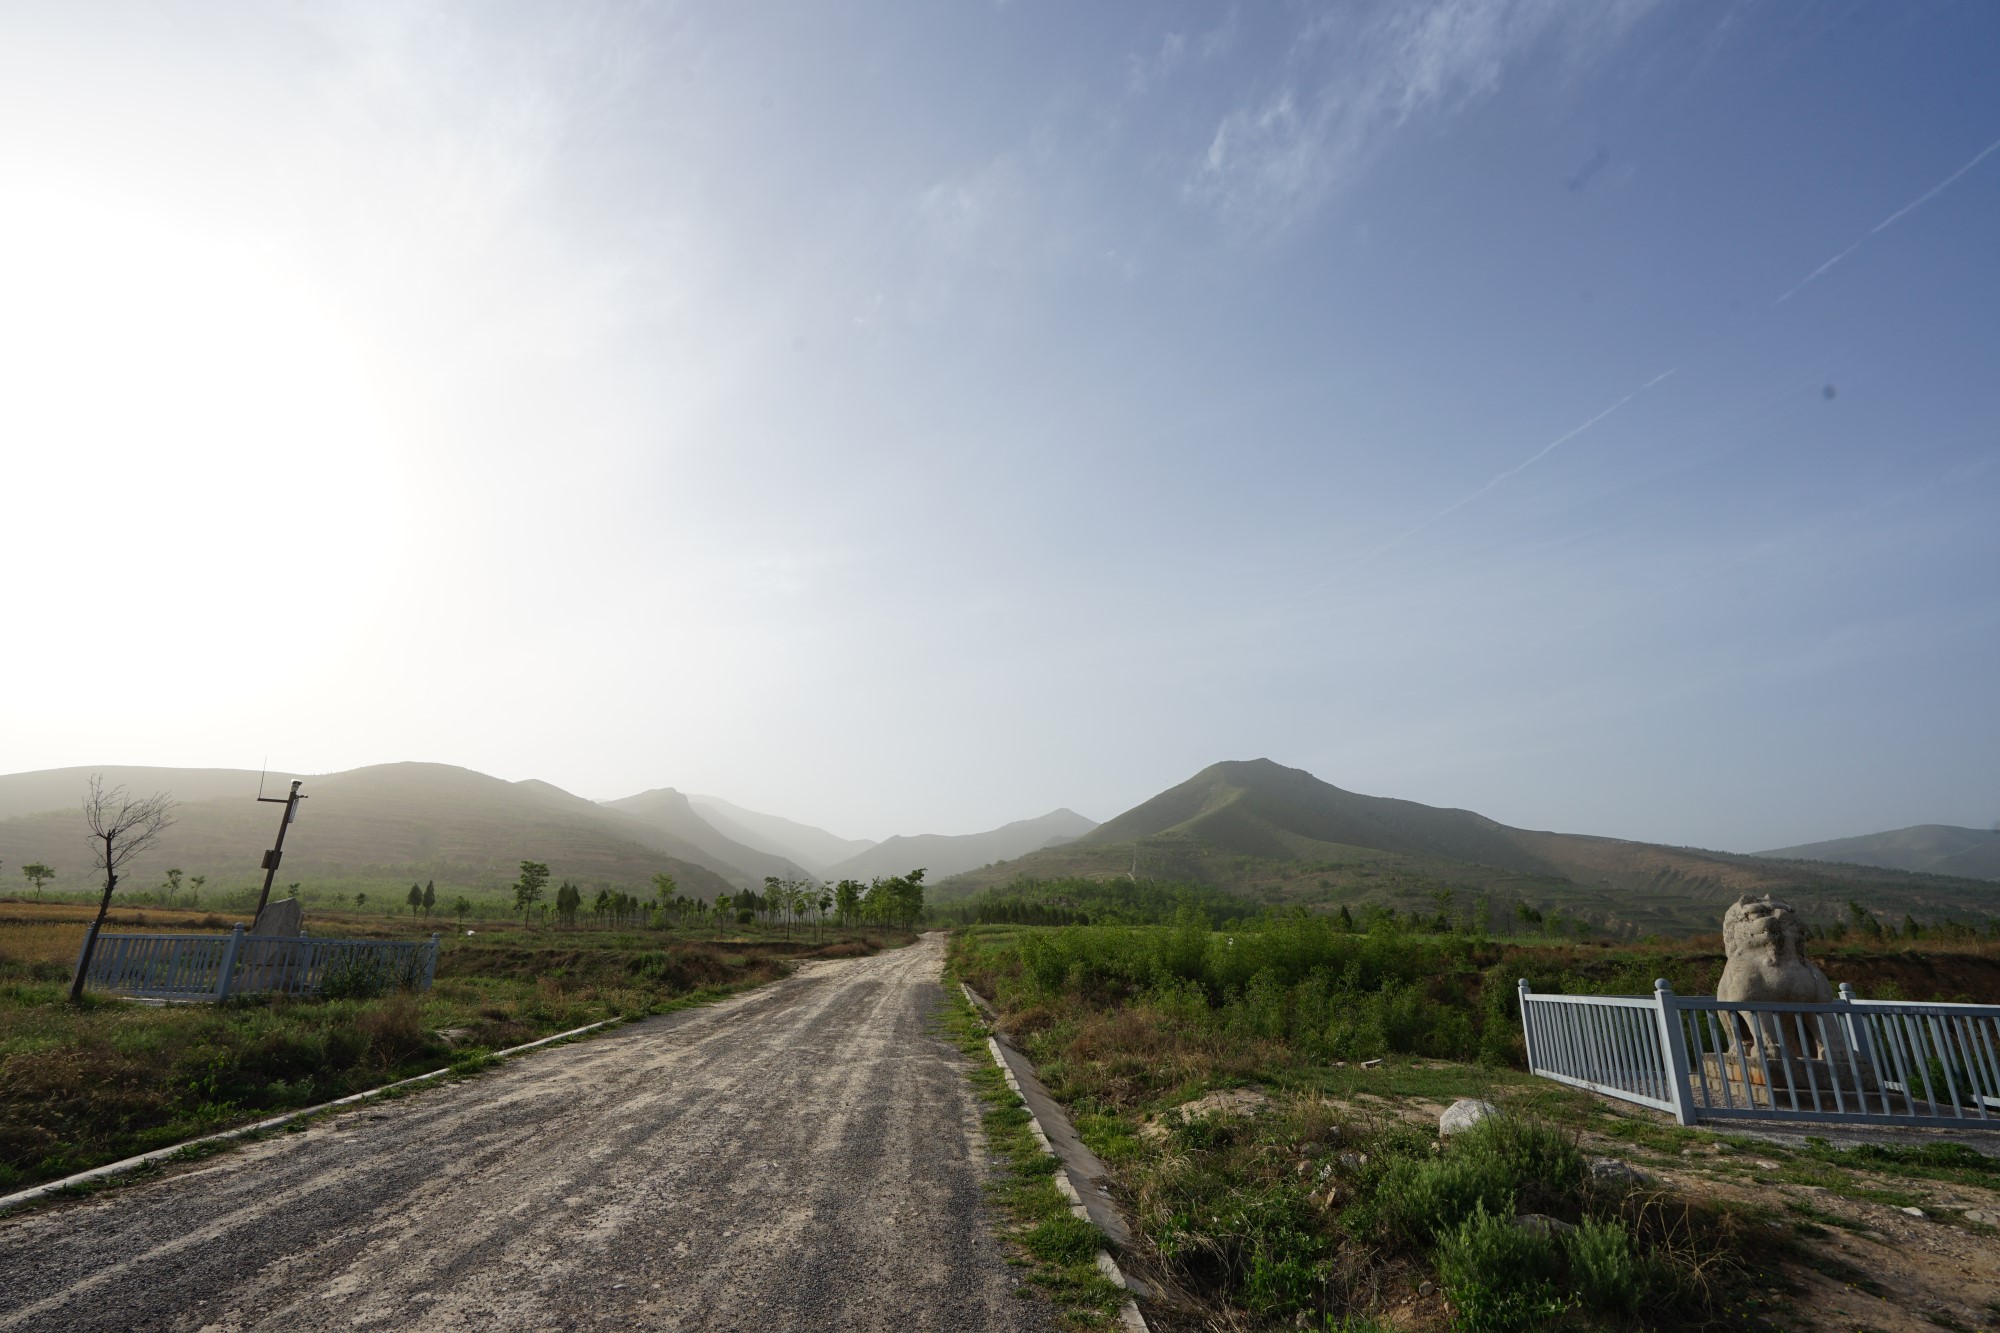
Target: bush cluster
[(1298, 979), (1290, 1214)]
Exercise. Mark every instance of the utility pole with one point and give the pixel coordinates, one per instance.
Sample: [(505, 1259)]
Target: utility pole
[(271, 858)]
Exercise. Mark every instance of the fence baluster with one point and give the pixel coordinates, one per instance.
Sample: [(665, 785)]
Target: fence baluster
[(1785, 1060), (1893, 1029), (1941, 1035), (1982, 1027), (1965, 1034), (1806, 1058)]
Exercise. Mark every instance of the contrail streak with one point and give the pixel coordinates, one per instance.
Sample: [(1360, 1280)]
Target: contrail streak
[(1515, 470), (1889, 222)]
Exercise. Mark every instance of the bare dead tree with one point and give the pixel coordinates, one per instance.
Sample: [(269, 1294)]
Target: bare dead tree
[(121, 826)]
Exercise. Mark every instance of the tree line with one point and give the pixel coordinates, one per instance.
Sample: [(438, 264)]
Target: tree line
[(897, 900)]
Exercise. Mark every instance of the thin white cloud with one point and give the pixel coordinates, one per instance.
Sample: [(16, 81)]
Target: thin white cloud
[(1513, 471), (1350, 78), (1888, 222), (1146, 72)]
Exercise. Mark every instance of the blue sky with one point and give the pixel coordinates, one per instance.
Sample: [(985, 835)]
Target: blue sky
[(913, 417)]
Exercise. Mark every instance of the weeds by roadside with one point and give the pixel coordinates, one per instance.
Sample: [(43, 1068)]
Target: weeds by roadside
[(1316, 1198), (1059, 1250)]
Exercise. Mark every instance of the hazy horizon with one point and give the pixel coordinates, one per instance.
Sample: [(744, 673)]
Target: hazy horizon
[(911, 419)]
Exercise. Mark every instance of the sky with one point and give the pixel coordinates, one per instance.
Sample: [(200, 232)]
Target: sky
[(910, 417)]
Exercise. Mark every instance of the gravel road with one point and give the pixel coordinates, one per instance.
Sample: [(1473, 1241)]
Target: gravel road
[(805, 1156)]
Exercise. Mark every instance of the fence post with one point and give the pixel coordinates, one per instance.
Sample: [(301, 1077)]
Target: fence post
[(1855, 1027), (1527, 1032), (1673, 1044), (431, 964), (227, 977)]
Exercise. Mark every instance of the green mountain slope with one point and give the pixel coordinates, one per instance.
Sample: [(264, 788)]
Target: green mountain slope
[(384, 824), (814, 848), (943, 855), (1935, 849), (1282, 835)]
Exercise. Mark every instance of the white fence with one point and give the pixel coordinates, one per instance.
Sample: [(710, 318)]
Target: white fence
[(1856, 1061), (214, 967)]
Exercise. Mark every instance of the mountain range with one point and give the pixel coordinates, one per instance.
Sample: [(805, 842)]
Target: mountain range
[(1282, 835), (1254, 828), (1932, 849), (390, 824)]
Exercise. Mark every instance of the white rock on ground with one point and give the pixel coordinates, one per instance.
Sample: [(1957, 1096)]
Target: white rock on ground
[(1463, 1114)]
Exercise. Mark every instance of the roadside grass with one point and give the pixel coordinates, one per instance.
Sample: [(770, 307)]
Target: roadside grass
[(112, 1078), (1323, 1197), (1057, 1250)]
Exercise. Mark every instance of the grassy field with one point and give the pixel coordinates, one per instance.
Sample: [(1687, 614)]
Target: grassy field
[(84, 1085), (1278, 1181)]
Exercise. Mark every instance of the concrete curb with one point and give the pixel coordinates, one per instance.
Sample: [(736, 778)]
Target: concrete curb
[(10, 1202), (1129, 1315)]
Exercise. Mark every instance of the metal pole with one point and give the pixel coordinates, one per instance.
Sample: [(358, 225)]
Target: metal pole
[(1674, 1041), (272, 857)]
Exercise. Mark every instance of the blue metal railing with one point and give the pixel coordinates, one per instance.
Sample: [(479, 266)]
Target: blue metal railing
[(1848, 1061), (214, 967)]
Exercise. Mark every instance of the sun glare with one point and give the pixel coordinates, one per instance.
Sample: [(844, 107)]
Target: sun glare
[(181, 405)]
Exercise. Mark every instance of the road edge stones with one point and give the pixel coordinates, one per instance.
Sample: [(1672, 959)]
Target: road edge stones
[(1129, 1314)]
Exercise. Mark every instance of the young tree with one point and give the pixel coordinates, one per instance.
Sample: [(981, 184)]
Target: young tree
[(568, 899), (847, 901), (121, 826), (415, 898), (360, 900), (194, 887), (665, 889), (38, 875), (430, 896), (462, 908), (528, 888), (172, 886)]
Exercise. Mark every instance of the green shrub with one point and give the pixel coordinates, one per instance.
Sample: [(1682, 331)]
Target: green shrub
[(1604, 1271), (354, 974), (1416, 1200), (1541, 1162), (1499, 1277), (1282, 1253)]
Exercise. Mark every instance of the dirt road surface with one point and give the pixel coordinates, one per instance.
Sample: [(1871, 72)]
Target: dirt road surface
[(805, 1156)]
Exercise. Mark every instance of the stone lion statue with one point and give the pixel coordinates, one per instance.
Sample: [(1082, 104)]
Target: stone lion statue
[(1766, 945)]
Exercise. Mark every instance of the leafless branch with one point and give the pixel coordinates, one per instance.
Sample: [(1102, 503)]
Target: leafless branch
[(123, 825)]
